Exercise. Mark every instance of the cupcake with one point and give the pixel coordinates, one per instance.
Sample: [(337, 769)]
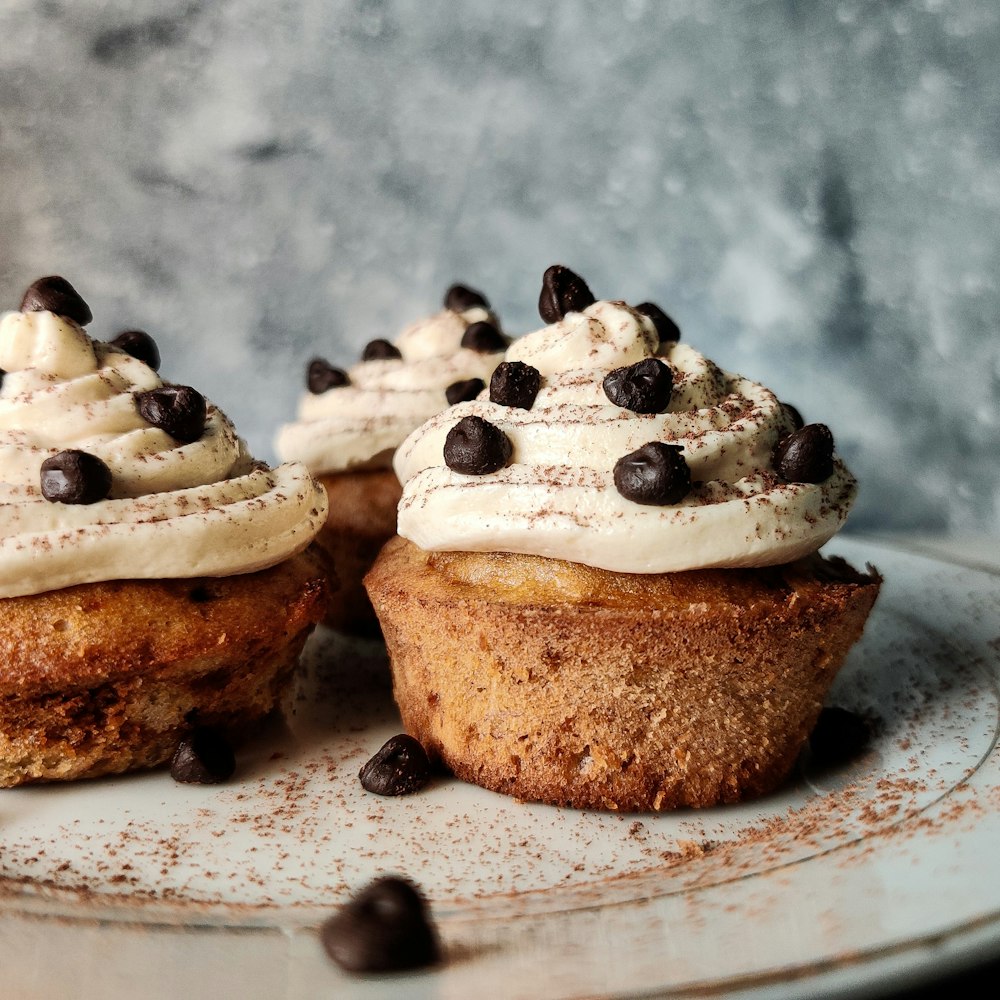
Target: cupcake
[(607, 591), (154, 577), (351, 422)]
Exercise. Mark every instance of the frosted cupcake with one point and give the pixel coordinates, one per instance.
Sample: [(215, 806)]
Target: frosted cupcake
[(351, 422), (154, 577), (607, 591)]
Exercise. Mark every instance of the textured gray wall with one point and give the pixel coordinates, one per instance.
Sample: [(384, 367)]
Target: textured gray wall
[(812, 189)]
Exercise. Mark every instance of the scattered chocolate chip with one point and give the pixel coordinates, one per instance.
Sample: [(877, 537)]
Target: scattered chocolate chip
[(484, 337), (462, 392), (458, 298), (75, 477), (562, 292), (644, 387), (515, 384), (140, 345), (57, 295), (668, 331), (793, 415), (838, 737), (400, 767), (321, 375), (177, 409), (203, 757), (655, 475), (385, 928), (806, 456), (476, 447), (380, 350)]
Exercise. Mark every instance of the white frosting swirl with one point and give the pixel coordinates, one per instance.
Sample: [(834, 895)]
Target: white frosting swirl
[(557, 495), (359, 425), (175, 510)]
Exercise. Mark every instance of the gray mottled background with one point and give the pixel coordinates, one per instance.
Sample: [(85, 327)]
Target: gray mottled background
[(812, 189)]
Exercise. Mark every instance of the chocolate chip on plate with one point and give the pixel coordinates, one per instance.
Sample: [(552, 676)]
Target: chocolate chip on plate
[(203, 757), (140, 345), (463, 391), (476, 447), (654, 475), (668, 331), (177, 409), (458, 298), (484, 337), (75, 476), (563, 292), (57, 295), (644, 387), (380, 350), (806, 456), (400, 767), (385, 928), (515, 384), (838, 737), (321, 375)]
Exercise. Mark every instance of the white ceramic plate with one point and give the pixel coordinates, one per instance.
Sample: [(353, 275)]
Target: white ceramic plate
[(883, 871)]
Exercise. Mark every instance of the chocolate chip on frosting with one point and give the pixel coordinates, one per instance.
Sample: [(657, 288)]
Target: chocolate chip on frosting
[(464, 390), (794, 416), (400, 767), (805, 456), (75, 476), (484, 338), (380, 350), (458, 298), (475, 447), (55, 294), (203, 757), (644, 387), (140, 345), (177, 409), (668, 331), (321, 375), (515, 384), (563, 292), (654, 475), (385, 928)]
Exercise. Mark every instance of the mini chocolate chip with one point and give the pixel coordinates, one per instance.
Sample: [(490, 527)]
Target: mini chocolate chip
[(140, 345), (838, 737), (177, 409), (463, 391), (385, 928), (380, 350), (515, 384), (57, 295), (794, 415), (458, 298), (484, 337), (806, 456), (655, 475), (562, 292), (476, 447), (75, 477), (667, 330), (400, 767), (644, 387), (321, 375), (203, 757)]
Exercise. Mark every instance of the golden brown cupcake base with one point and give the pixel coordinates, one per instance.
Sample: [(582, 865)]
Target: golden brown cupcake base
[(559, 683), (107, 677), (362, 519)]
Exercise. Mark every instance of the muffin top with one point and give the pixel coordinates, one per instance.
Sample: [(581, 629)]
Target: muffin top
[(107, 472), (605, 441), (355, 419)]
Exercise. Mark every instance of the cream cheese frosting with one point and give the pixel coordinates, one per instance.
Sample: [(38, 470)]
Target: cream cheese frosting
[(203, 508), (359, 425), (556, 497)]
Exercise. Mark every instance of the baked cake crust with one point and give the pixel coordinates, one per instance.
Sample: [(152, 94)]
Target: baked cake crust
[(561, 683), (103, 678)]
